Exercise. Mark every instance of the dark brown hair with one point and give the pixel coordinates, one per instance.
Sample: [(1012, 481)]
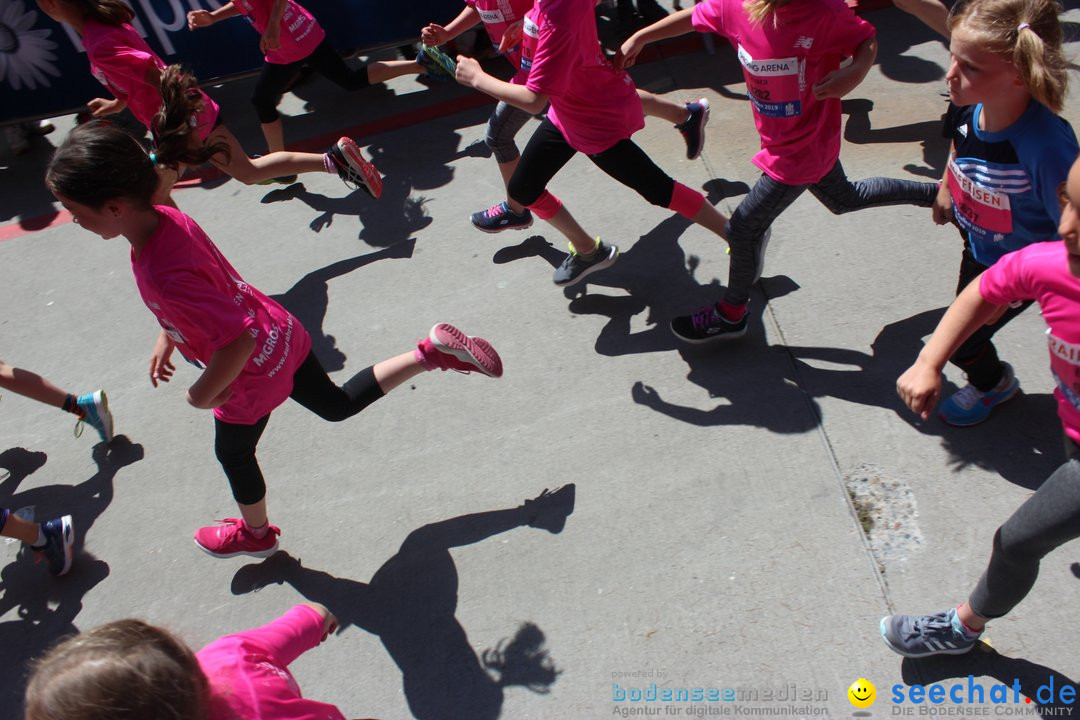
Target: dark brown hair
[(126, 670), (108, 12), (172, 125), (99, 162)]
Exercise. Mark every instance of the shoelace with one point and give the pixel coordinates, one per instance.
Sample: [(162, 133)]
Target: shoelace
[(967, 396), (932, 625), (702, 317), (494, 211), (79, 427)]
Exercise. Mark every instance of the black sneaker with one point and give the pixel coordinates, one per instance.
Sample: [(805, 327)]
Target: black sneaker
[(693, 128), (59, 544), (436, 63), (353, 169), (500, 217), (706, 325), (549, 510), (576, 268)]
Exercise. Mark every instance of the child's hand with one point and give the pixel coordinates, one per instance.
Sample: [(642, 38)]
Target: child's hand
[(511, 36), (628, 53), (434, 35), (837, 84), (199, 18), (468, 71), (99, 107), (161, 370), (920, 388), (942, 210), (271, 40)]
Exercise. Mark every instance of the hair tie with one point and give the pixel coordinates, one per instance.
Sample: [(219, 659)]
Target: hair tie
[(1022, 26), (153, 158)]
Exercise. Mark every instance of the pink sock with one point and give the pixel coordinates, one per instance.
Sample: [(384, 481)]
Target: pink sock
[(731, 313), (424, 351), (259, 532)]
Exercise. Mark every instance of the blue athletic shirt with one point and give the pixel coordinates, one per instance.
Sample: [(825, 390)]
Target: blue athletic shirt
[(1004, 184)]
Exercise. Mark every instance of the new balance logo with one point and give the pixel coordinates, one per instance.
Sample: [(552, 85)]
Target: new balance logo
[(804, 42)]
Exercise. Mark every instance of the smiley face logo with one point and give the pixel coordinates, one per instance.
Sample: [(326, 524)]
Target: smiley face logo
[(862, 693)]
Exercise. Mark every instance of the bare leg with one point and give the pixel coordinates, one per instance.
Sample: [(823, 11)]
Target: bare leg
[(507, 169), (20, 529), (969, 618), (274, 132), (254, 515), (252, 170), (31, 385), (657, 106), (396, 370), (710, 218), (565, 223)]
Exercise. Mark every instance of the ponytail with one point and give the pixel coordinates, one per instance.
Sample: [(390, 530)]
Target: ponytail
[(1028, 34), (107, 12), (759, 10), (172, 127), (99, 162)]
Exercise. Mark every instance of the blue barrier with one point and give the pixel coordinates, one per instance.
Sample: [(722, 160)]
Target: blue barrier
[(44, 71)]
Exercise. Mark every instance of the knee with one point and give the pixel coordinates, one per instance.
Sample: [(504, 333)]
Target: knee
[(265, 107), (523, 191)]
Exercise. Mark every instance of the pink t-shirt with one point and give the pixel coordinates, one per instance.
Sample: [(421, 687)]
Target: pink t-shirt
[(120, 60), (249, 675), (593, 104), (300, 31), (203, 304), (800, 135), (497, 15), (1040, 272)]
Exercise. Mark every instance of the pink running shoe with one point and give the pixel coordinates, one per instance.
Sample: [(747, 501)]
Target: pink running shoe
[(231, 538), (353, 169), (447, 348)]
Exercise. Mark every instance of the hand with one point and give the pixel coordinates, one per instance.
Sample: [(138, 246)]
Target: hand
[(99, 107), (837, 84), (942, 210), (627, 55), (271, 40), (160, 367), (511, 36), (920, 388), (198, 19), (469, 71), (433, 35)]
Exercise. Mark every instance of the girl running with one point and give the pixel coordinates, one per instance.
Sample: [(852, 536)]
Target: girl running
[(130, 669), (292, 38), (503, 22), (125, 64), (791, 52), (1010, 153), (594, 110), (1048, 273), (253, 353)]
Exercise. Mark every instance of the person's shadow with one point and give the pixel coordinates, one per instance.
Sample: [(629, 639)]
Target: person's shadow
[(935, 146), (46, 607), (987, 662), (411, 601), (309, 299)]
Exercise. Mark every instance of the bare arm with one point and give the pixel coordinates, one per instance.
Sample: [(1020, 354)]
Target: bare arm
[(931, 12), (211, 389), (839, 83), (470, 73), (679, 23), (435, 34), (203, 18)]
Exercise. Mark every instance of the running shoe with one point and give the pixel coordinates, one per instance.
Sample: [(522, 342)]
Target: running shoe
[(353, 169), (917, 636), (95, 409), (576, 268), (500, 217), (436, 62), (451, 349), (707, 324), (231, 537), (970, 406), (59, 544), (693, 128)]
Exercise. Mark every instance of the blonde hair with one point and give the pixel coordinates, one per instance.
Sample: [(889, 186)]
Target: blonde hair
[(1028, 34), (126, 670), (758, 10)]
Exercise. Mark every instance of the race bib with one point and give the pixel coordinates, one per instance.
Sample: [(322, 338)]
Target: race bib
[(775, 86), (491, 16), (977, 207)]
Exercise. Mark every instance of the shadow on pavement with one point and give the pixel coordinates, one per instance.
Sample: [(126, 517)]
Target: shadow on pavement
[(411, 601)]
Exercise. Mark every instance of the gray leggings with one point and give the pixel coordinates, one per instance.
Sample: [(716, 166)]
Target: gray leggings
[(503, 125), (1047, 520), (768, 198)]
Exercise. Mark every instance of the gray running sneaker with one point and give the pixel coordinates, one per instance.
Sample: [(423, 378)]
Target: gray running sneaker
[(59, 544), (576, 268), (917, 636)]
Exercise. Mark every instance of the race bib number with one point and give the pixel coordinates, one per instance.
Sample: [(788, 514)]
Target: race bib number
[(977, 207), (775, 86), (530, 33), (491, 17)]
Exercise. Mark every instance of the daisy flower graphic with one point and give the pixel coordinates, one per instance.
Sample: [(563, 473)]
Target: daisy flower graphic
[(26, 55)]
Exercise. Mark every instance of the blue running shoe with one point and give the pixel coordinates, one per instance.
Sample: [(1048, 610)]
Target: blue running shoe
[(436, 62), (970, 406), (500, 217), (693, 128), (917, 636), (95, 407), (59, 544)]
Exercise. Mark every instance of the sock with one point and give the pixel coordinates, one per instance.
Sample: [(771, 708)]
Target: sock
[(960, 627), (259, 532), (730, 312), (329, 164), (589, 255), (71, 405), (425, 351), (40, 542)]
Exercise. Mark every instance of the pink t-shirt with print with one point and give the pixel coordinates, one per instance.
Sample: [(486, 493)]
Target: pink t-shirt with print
[(800, 135), (120, 60), (1040, 272), (249, 675), (300, 31), (203, 304), (497, 15), (593, 104)]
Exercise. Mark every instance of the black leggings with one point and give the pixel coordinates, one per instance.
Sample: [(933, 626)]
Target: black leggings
[(324, 60), (235, 444), (548, 151)]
